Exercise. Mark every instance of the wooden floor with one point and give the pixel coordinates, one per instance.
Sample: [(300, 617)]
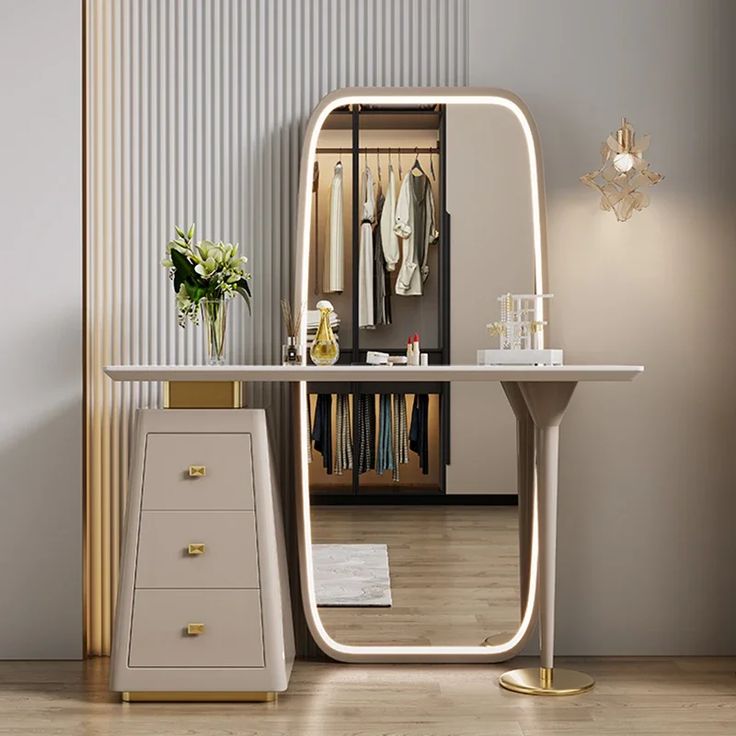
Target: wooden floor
[(644, 697), (454, 572)]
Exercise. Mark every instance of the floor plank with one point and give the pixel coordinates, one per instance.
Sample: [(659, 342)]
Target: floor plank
[(632, 697)]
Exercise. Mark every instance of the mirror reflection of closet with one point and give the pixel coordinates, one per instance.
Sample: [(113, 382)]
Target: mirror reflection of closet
[(452, 561), (378, 146)]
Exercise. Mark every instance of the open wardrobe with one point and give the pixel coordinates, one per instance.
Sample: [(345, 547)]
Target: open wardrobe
[(390, 186), (378, 220)]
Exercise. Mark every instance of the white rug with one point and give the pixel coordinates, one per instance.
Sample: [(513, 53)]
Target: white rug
[(351, 575)]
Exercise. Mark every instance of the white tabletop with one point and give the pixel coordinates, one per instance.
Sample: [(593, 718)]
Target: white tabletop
[(348, 373)]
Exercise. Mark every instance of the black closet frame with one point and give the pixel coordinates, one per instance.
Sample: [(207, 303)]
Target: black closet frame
[(439, 355)]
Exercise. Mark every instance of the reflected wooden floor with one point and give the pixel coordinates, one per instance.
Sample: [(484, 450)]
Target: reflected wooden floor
[(454, 572), (633, 697)]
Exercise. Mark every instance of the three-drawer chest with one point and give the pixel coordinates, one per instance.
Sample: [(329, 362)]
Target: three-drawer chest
[(203, 609)]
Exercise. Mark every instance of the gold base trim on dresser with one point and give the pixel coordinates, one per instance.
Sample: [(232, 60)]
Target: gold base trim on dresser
[(203, 395), (198, 697)]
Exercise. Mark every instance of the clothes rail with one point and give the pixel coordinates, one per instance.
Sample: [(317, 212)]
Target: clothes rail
[(373, 149)]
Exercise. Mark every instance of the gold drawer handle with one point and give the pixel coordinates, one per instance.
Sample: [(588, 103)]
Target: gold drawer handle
[(195, 629), (197, 471), (198, 548)]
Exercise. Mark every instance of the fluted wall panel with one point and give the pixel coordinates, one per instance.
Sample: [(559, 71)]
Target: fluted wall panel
[(195, 110)]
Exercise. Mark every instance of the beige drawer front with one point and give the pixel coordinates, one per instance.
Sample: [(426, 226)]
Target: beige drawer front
[(198, 472), (232, 634), (197, 549)]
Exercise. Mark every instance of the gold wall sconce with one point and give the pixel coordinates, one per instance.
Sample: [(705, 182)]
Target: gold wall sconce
[(624, 175)]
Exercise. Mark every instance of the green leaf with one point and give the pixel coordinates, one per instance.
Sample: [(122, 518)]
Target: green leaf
[(246, 298), (183, 270), (195, 291), (244, 285)]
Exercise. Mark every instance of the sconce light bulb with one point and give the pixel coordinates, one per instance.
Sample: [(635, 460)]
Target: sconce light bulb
[(623, 162)]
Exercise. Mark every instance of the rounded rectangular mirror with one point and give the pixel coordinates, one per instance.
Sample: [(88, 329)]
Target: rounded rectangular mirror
[(418, 208)]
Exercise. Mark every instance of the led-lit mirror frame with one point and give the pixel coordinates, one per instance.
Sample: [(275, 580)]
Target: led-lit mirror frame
[(399, 96)]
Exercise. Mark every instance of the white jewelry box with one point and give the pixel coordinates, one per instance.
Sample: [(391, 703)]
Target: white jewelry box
[(495, 356)]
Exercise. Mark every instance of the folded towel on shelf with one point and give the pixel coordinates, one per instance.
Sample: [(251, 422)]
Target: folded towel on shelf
[(313, 317)]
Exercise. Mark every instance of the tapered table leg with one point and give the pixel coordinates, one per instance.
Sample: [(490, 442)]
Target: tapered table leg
[(524, 482), (547, 402)]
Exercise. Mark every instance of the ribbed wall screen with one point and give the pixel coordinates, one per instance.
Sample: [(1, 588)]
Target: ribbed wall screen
[(195, 112)]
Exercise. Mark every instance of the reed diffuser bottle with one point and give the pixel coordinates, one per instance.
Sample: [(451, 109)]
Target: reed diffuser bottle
[(291, 352), (324, 349)]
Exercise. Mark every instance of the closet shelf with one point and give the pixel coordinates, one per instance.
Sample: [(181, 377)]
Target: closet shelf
[(379, 149), (385, 119)]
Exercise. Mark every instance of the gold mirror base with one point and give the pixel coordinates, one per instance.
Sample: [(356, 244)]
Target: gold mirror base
[(198, 697), (545, 681)]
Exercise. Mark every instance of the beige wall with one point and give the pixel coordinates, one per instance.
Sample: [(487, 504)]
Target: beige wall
[(490, 206), (41, 348), (647, 515)]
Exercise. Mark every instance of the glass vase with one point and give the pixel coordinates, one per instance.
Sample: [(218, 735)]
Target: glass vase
[(324, 349), (214, 317)]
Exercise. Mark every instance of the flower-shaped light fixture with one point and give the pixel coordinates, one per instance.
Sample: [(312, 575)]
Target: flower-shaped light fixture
[(624, 175)]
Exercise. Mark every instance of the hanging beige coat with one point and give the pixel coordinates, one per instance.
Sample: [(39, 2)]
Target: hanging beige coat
[(389, 239), (415, 225), (365, 263), (334, 266)]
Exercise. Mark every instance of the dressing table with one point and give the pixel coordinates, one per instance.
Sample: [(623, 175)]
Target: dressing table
[(488, 193), (546, 392)]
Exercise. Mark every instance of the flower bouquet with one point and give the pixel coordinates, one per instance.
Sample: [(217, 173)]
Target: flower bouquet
[(206, 276)]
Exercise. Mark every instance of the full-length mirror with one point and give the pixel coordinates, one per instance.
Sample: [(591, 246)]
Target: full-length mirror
[(418, 209)]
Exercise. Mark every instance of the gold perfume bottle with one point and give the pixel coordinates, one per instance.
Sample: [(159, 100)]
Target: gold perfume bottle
[(324, 349)]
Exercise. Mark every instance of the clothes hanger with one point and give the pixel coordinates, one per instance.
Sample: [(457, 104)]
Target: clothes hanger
[(378, 167), (339, 157), (431, 166), (401, 172), (416, 168)]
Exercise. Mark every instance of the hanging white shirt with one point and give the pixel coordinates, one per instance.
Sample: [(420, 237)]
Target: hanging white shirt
[(333, 276), (389, 238), (365, 263), (415, 224)]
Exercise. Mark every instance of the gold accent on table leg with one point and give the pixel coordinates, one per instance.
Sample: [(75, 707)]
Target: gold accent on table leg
[(199, 697), (546, 681), (196, 548), (197, 471), (203, 395), (545, 677), (195, 629)]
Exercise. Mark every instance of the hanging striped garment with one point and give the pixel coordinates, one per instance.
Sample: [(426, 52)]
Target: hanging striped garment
[(400, 435), (344, 438), (367, 432), (322, 430), (384, 453)]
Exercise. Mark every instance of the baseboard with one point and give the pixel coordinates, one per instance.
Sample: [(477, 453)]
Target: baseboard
[(451, 499)]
